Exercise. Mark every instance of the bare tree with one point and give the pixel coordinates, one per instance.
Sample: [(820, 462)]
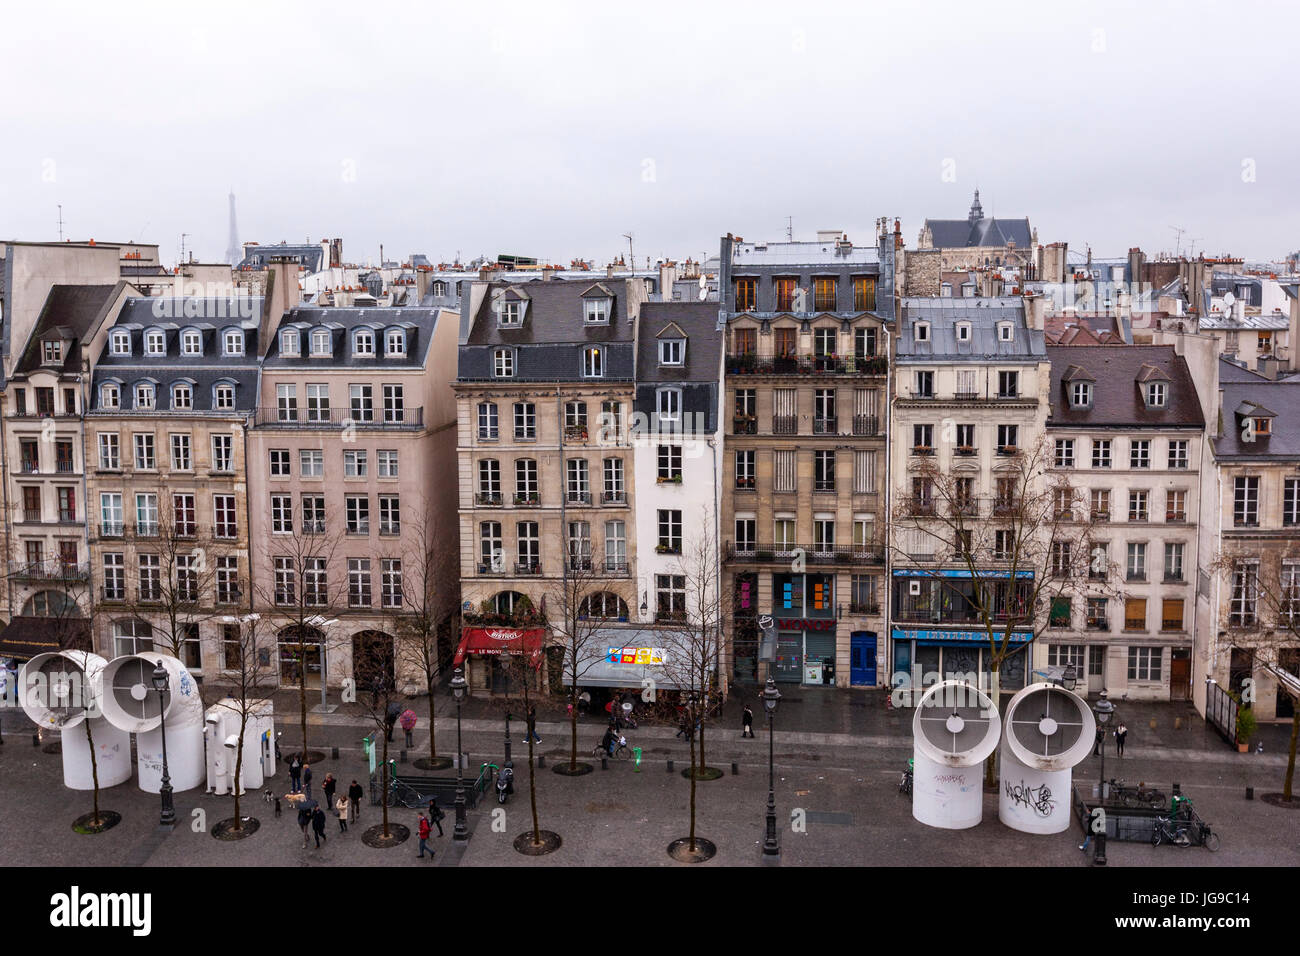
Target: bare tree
[(1024, 552), (376, 672), (523, 676), (245, 662)]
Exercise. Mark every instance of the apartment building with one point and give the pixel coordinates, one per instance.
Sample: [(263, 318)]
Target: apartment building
[(971, 381), (544, 398), (348, 484), (807, 328), (174, 384), (1128, 439), (1257, 452)]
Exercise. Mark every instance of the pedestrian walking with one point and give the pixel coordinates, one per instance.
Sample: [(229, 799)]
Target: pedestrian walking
[(684, 725), (424, 831), (295, 773), (306, 780), (318, 824), (436, 814), (390, 719), (1121, 734), (747, 722), (1101, 737), (341, 808), (532, 725), (328, 788), (304, 821), (355, 793)]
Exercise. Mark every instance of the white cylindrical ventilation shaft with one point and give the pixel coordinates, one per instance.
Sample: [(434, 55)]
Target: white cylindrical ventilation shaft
[(954, 729), (63, 691), (1048, 730), (133, 704)]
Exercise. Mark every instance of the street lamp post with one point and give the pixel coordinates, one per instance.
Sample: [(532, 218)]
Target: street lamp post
[(1102, 711), (771, 846), (460, 833), (168, 816)]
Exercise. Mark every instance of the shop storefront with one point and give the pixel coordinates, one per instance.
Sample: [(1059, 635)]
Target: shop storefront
[(481, 649), (804, 611), (919, 654), (633, 659)]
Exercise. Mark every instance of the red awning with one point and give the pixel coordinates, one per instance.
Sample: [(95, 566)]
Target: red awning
[(498, 640)]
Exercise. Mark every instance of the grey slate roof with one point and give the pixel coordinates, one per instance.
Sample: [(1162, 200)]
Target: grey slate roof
[(201, 379), (699, 322), (983, 314), (1282, 398), (310, 257), (746, 254), (1117, 372), (173, 315), (71, 308), (417, 322), (964, 234)]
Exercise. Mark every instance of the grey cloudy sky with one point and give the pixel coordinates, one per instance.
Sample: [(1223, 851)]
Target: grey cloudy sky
[(550, 129)]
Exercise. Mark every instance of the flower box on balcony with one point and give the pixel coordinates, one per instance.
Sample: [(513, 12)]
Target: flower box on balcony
[(674, 480), (526, 499), (1006, 449), (667, 549), (965, 449)]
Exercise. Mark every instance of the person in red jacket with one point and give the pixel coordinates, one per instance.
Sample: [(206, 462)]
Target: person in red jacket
[(424, 836)]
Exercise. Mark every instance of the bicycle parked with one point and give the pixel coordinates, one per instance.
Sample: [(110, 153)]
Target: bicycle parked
[(1139, 796), (905, 783)]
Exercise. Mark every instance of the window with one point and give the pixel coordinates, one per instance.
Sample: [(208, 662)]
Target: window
[(595, 311), (391, 582), (1004, 544), (1175, 505), (280, 467), (670, 597), (1178, 453), (525, 421), (181, 459), (1007, 436), (615, 546), (314, 584), (227, 579), (318, 403), (922, 332), (963, 328), (864, 342), (390, 514), (1291, 501), (611, 421), (1101, 453), (824, 342), (1064, 504), (1065, 453), (1171, 614), (191, 342), (234, 341), (223, 455), (824, 421), (783, 534), (823, 534), (282, 514), (223, 397), (1004, 332), (132, 637), (187, 577), (120, 342), (824, 294), (1144, 663), (528, 547), (613, 481), (394, 405), (358, 513), (144, 459), (1156, 392), (1099, 504), (359, 582), (526, 481), (671, 351), (313, 514), (354, 464), (1066, 655), (1081, 395), (109, 452), (290, 343), (1061, 564), (863, 595), (489, 482), (1245, 594), (150, 577), (1245, 501), (1139, 453), (387, 463), (182, 398), (322, 343), (1137, 505), (155, 343), (503, 363), (1096, 619), (510, 314), (110, 514), (1135, 614), (1173, 561), (110, 396), (114, 577), (361, 398), (223, 516), (785, 293), (1008, 384), (1289, 595), (487, 421), (580, 545), (1137, 561), (363, 342), (670, 532), (311, 463), (784, 470), (668, 402), (965, 439), (285, 580), (603, 605), (395, 343), (144, 396), (864, 296), (745, 470), (491, 557), (746, 534), (823, 470), (864, 472), (922, 439), (925, 384), (183, 516), (286, 401)]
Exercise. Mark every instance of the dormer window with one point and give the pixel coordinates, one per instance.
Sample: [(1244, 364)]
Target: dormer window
[(144, 395), (1005, 332), (945, 290), (963, 331), (593, 362), (439, 288), (510, 314), (503, 363), (1156, 394), (234, 341), (1263, 426), (53, 352), (320, 342), (395, 343), (223, 397), (1081, 395), (120, 342), (155, 342), (182, 398), (668, 403), (596, 311), (110, 396), (191, 342), (290, 343), (672, 351), (922, 331), (363, 342)]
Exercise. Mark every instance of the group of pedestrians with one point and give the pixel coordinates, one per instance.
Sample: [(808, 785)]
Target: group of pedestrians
[(425, 827), (346, 807)]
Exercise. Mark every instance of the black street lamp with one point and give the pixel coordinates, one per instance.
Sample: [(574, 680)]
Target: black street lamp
[(1102, 711), (771, 846), (160, 680), (460, 833)]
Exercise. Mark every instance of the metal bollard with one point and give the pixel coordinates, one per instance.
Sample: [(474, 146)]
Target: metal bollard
[(735, 768), (334, 753), (401, 756), (1250, 793), (541, 760), (1178, 788), (36, 740), (604, 763), (1099, 855), (670, 766)]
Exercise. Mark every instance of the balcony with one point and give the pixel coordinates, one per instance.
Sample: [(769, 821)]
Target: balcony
[(1097, 624), (814, 365), (866, 426), (32, 515), (921, 508), (575, 433), (64, 466), (785, 424), (528, 499), (744, 484), (761, 552), (579, 564), (528, 567), (1006, 450), (269, 416), (29, 467), (111, 592), (488, 499), (869, 609), (355, 527), (824, 486), (313, 526), (923, 451), (668, 548), (670, 617), (1175, 517), (112, 529), (613, 498), (1005, 506), (1137, 517), (1171, 624), (1101, 517), (580, 498), (390, 528), (825, 426), (52, 570), (186, 529), (744, 425), (492, 567), (616, 566), (148, 594), (145, 529)]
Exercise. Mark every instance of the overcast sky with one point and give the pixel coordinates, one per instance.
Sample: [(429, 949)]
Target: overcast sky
[(551, 129)]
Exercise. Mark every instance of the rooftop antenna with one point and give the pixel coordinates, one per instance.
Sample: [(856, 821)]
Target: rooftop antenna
[(630, 258), (789, 228), (183, 237), (60, 222), (1178, 239)]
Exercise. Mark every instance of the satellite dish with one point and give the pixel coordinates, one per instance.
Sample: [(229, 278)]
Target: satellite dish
[(1229, 300)]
